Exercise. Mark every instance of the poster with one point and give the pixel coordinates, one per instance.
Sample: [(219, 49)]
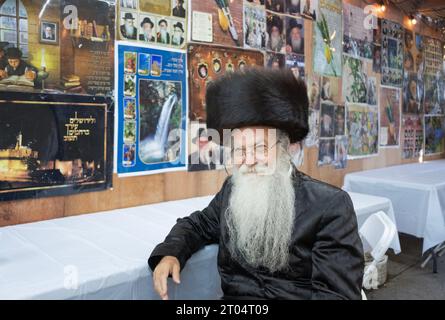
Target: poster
[(412, 93), (152, 82), (311, 139), (313, 88), (341, 152), (326, 151), (227, 20), (56, 51), (434, 134), (206, 63), (160, 22), (412, 136), (308, 9), (327, 54), (354, 80), (276, 60), (276, 32), (330, 89), (392, 53), (204, 154), (389, 117), (377, 47), (54, 144), (357, 40), (327, 116), (433, 78), (255, 26), (362, 129)]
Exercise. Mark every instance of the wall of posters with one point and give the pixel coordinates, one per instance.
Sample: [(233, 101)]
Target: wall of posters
[(411, 136), (362, 130), (152, 102), (54, 144), (389, 117), (392, 53), (163, 22), (227, 20), (434, 134), (206, 63), (55, 52), (327, 54), (357, 40)]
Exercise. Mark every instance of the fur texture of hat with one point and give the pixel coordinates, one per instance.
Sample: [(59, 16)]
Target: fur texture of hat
[(259, 97)]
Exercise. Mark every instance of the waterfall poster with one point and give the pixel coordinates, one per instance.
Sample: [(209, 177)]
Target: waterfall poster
[(328, 38), (151, 128)]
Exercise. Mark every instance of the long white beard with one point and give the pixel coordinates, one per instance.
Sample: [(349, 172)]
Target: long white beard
[(163, 35), (129, 29), (275, 42), (176, 40), (296, 44), (261, 215)]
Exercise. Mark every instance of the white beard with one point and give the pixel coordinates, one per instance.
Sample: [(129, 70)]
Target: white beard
[(176, 40), (129, 29), (296, 44), (261, 214), (275, 42), (163, 36)]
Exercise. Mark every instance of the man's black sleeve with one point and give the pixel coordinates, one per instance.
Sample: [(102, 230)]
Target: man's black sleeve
[(191, 233), (337, 256)]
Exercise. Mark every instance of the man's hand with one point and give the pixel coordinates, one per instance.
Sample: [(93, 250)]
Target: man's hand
[(167, 266), (3, 74)]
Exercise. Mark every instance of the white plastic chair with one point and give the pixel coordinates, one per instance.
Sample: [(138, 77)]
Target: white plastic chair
[(377, 234)]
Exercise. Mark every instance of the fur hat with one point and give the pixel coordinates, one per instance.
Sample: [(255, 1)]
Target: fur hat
[(259, 97)]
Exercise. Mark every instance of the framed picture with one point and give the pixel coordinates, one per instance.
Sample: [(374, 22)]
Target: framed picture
[(49, 32), (68, 150)]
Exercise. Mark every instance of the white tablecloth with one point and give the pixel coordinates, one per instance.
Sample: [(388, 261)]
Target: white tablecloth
[(104, 255), (417, 193)]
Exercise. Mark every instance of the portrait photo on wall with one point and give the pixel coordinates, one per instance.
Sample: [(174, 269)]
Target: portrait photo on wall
[(308, 9), (327, 115), (204, 153), (294, 35), (275, 60), (275, 33), (311, 139), (326, 151), (49, 32), (59, 147), (341, 152), (412, 94)]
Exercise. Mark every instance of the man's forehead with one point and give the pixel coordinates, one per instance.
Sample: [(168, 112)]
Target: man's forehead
[(255, 134)]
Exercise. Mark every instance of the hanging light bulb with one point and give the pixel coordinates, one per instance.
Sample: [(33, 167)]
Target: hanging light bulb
[(382, 7), (412, 19)]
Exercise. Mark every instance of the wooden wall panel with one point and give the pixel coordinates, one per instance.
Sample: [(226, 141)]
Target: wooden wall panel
[(135, 191)]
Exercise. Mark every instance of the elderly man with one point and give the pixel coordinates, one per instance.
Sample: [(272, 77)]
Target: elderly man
[(128, 30), (281, 234), (163, 36)]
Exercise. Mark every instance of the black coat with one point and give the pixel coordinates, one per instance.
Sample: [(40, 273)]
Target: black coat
[(326, 254)]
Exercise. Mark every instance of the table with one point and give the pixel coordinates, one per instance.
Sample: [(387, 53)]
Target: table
[(104, 255), (417, 193)]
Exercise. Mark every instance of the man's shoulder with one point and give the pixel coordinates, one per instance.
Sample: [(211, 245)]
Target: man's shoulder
[(317, 192)]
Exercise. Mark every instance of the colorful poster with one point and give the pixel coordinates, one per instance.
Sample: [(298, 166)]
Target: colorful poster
[(433, 55), (152, 139), (341, 152), (434, 100), (313, 88), (327, 45), (354, 80), (326, 151), (357, 40), (412, 136), (434, 134), (389, 117), (362, 130), (392, 53), (377, 47), (52, 144), (49, 49), (314, 126), (255, 26), (227, 20), (339, 122), (206, 63), (160, 22), (412, 93)]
